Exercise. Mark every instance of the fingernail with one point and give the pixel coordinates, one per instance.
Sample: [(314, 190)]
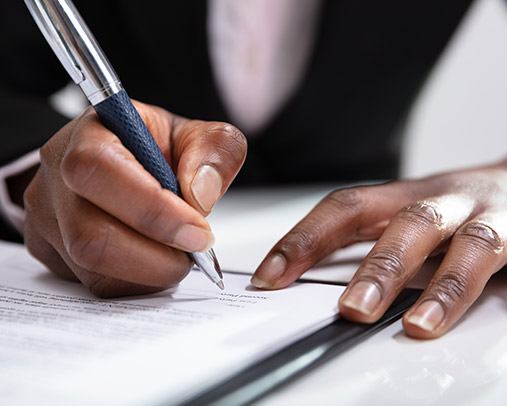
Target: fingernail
[(427, 316), (363, 297), (207, 187), (193, 239), (270, 271)]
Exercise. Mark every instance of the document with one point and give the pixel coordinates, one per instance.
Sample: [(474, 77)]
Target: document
[(61, 345), (248, 223)]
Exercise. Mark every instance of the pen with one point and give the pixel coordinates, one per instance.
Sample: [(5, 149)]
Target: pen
[(78, 51)]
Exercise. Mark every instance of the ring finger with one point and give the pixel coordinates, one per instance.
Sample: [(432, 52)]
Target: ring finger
[(477, 251)]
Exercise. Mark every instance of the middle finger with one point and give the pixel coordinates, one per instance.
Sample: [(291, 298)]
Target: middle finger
[(101, 244), (400, 252)]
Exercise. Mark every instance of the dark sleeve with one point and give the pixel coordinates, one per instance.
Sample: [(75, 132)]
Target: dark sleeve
[(29, 74)]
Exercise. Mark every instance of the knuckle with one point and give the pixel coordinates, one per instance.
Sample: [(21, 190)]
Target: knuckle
[(481, 236), (49, 153), (80, 163), (152, 217), (346, 199), (87, 246), (454, 285), (235, 137), (384, 267), (233, 141), (422, 213), (299, 243), (46, 154), (52, 152)]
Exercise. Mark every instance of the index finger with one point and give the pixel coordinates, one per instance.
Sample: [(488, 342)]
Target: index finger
[(340, 219), (100, 169)]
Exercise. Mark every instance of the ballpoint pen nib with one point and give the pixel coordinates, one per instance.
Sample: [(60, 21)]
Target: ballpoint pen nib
[(220, 284)]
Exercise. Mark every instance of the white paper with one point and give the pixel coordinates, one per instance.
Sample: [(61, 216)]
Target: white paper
[(248, 223), (60, 345)]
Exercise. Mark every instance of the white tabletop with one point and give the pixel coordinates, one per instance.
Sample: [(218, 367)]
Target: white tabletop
[(468, 366)]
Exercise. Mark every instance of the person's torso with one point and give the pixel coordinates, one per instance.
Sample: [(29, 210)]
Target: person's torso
[(342, 119)]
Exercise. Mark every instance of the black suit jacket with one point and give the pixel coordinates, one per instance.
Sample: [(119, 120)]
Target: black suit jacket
[(370, 59)]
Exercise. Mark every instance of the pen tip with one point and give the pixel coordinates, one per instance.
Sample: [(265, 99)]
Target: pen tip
[(220, 284)]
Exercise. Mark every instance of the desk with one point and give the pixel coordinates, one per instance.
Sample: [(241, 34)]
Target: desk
[(468, 366)]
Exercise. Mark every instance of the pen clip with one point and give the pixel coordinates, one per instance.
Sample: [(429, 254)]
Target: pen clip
[(45, 19), (76, 48)]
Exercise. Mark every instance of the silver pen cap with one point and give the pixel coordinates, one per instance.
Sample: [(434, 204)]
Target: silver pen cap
[(75, 46)]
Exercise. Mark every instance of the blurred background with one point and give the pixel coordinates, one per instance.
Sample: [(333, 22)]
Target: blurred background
[(460, 118)]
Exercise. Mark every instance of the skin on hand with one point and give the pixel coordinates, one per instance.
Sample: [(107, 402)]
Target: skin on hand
[(465, 211), (94, 214)]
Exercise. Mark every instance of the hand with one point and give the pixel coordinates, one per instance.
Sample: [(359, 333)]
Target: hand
[(464, 212), (93, 213)]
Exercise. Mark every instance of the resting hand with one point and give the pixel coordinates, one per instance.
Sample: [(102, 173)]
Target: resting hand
[(462, 212), (93, 213)]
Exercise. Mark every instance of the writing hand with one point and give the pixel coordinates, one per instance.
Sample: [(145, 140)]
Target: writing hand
[(94, 214)]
